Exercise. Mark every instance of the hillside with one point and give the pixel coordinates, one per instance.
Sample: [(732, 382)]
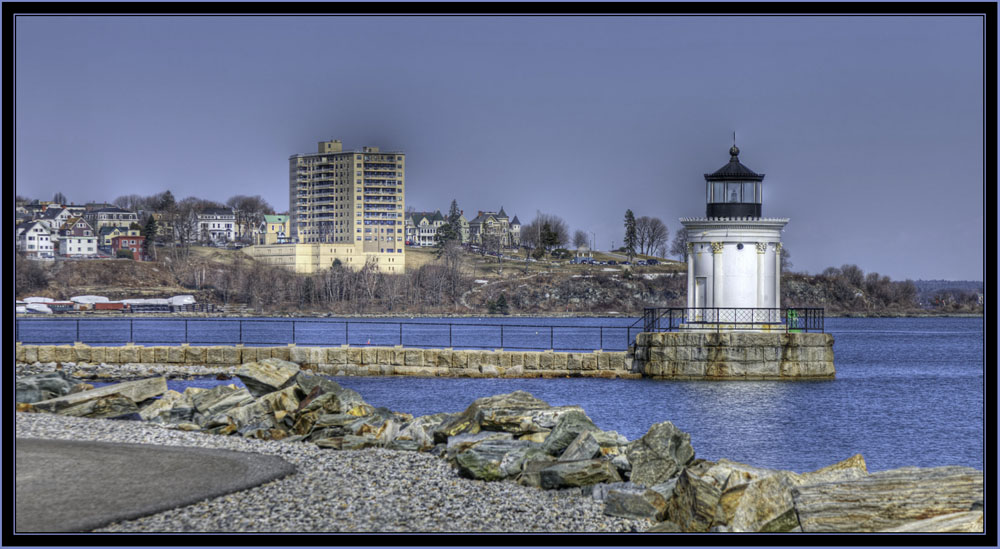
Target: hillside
[(478, 284)]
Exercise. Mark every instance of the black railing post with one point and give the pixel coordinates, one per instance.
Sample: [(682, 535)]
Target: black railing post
[(400, 334), (186, 331), (130, 331), (293, 332), (241, 331), (501, 336), (552, 338), (601, 343), (78, 330), (347, 333), (449, 336)]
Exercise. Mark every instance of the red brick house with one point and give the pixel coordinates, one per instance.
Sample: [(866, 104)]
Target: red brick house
[(133, 243)]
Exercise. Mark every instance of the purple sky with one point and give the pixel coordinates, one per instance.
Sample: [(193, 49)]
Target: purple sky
[(870, 129)]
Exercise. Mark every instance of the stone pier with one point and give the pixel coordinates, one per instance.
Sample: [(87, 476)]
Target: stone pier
[(734, 355)]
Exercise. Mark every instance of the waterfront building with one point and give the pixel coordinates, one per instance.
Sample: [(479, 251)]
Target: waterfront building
[(733, 253), (131, 243)]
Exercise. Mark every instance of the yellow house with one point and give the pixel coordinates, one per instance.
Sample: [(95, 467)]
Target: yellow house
[(274, 230), (109, 232), (315, 257)]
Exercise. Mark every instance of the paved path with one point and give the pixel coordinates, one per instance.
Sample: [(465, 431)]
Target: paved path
[(75, 486)]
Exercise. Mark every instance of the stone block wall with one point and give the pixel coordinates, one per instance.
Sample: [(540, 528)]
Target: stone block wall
[(351, 361), (735, 355)]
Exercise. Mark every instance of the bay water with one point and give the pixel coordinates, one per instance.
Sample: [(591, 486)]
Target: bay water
[(907, 392)]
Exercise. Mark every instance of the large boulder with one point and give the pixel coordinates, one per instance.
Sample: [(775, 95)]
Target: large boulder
[(267, 375), (659, 454), (420, 430), (218, 400), (760, 500), (496, 459), (636, 503), (136, 391), (568, 474), (106, 407), (695, 500), (888, 499), (518, 413), (969, 521)]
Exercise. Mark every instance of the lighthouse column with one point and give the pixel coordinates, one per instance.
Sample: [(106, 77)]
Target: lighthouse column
[(777, 274), (716, 273), (761, 248), (690, 260)]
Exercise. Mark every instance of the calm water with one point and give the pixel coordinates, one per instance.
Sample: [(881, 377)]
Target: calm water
[(907, 392)]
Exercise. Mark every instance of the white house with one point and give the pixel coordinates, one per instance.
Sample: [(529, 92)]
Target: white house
[(35, 240), (217, 226), (77, 239)]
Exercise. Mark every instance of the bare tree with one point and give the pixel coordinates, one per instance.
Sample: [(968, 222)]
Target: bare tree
[(60, 198), (657, 235), (531, 234), (249, 212), (493, 245), (679, 245), (580, 239)]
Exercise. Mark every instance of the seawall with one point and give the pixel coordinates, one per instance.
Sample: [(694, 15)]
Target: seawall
[(353, 361), (709, 356)]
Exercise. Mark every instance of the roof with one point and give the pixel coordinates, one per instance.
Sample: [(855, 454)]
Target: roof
[(275, 218), (112, 209), (734, 170), (431, 217), (52, 213), (217, 211), (515, 221)]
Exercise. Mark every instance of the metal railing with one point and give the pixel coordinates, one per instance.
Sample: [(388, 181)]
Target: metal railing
[(323, 332), (791, 319)]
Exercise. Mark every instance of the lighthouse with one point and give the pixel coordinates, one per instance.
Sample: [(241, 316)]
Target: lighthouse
[(734, 253)]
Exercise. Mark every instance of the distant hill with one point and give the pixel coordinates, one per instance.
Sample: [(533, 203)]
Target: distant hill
[(935, 285)]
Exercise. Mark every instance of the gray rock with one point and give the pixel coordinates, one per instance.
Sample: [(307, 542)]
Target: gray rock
[(968, 521), (44, 386), (888, 499), (584, 446), (569, 474), (694, 502), (659, 454), (532, 468), (599, 492), (635, 503), (567, 429), (460, 443)]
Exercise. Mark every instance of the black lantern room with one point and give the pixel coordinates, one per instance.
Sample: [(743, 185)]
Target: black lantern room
[(734, 190)]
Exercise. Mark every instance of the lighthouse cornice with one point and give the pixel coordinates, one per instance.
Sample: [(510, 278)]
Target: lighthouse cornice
[(734, 223)]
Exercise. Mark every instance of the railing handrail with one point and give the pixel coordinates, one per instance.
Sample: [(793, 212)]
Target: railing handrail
[(346, 322), (804, 319)]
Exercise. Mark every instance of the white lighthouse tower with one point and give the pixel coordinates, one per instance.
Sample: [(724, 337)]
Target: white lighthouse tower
[(734, 254)]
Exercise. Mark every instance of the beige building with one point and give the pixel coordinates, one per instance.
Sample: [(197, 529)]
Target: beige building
[(345, 205)]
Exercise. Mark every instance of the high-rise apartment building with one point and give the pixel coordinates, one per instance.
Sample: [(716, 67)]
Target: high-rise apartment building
[(344, 207), (348, 197)]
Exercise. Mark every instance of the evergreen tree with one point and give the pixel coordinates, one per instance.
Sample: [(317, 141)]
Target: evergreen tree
[(631, 237)]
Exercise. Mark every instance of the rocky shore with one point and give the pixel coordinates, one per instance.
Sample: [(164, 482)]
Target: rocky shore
[(508, 463)]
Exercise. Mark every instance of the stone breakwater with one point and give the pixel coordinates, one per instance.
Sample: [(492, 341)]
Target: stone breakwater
[(517, 440), (658, 355), (734, 355)]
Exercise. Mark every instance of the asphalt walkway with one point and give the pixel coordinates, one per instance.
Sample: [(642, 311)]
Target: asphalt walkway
[(77, 486)]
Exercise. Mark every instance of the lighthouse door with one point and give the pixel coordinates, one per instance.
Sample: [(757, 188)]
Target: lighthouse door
[(699, 297)]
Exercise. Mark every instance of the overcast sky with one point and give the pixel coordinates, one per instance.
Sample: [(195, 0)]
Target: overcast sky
[(869, 129)]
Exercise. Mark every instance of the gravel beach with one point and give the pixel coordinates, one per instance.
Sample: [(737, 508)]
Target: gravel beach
[(372, 490)]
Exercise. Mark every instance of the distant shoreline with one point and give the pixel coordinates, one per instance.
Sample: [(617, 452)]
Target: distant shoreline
[(117, 314)]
